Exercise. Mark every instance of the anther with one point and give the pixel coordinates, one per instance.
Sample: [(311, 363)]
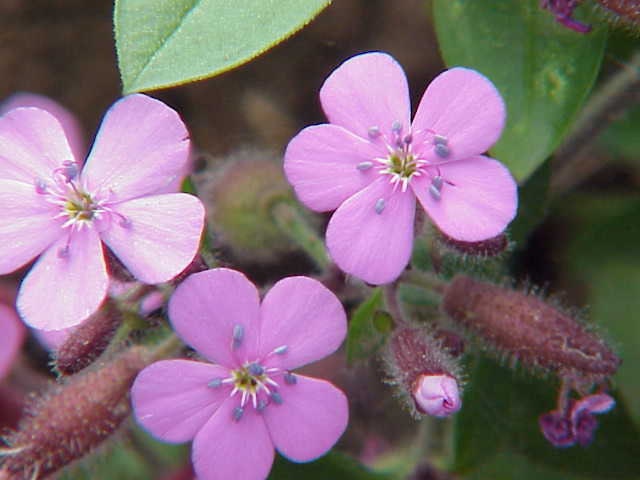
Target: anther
[(408, 138), (237, 413), (437, 182), (281, 350), (215, 383), (435, 192), (290, 378), (41, 186), (262, 404), (380, 204), (373, 132), (255, 369), (276, 398), (238, 335), (63, 252), (124, 222), (440, 140), (69, 170), (396, 127), (364, 166), (442, 150)]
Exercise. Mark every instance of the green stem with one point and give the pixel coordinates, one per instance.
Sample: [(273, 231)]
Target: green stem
[(294, 224), (425, 280)]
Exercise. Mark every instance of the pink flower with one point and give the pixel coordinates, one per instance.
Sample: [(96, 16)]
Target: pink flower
[(56, 207), (370, 163), (248, 402), (437, 395), (12, 334)]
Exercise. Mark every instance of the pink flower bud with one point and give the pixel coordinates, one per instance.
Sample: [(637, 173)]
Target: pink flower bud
[(437, 395)]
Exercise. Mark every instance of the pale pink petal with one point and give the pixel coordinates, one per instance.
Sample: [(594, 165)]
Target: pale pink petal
[(209, 306), (463, 106), (478, 198), (70, 124), (172, 400), (303, 315), (375, 247), (141, 147), (309, 421), (52, 339), (156, 237), (596, 403), (227, 449), (12, 334), (322, 164), (27, 225), (368, 90), (32, 145), (61, 291)]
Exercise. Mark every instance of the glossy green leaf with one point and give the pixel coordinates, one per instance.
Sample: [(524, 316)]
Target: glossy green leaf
[(332, 466), (363, 338), (543, 70), (161, 43), (501, 410)]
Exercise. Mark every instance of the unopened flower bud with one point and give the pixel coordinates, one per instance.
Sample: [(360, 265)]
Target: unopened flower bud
[(532, 332), (437, 395), (424, 371), (71, 419), (87, 342)]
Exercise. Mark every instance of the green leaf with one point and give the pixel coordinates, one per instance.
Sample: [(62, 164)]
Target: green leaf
[(161, 43), (363, 338), (543, 70), (332, 466), (501, 411)]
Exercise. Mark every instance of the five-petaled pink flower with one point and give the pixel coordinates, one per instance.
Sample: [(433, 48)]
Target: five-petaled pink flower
[(371, 162), (55, 206), (249, 401)]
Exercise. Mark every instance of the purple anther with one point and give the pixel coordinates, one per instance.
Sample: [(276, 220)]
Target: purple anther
[(435, 192), (281, 350), (440, 140), (373, 132), (290, 378), (41, 186), (237, 335), (364, 166), (63, 252), (380, 204), (276, 398), (437, 182), (237, 413), (215, 383), (255, 369), (69, 170), (442, 150), (262, 404), (396, 127)]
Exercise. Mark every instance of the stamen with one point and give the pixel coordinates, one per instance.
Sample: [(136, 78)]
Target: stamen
[(396, 127), (255, 369), (408, 138), (262, 404), (440, 140), (68, 170), (435, 192), (215, 383), (380, 204), (437, 182), (124, 222), (41, 186), (290, 378), (281, 350), (442, 150), (238, 335), (63, 252), (364, 166), (373, 132), (237, 413), (276, 398)]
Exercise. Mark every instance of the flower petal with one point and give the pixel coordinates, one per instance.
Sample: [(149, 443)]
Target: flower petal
[(27, 227), (141, 147), (208, 306), (312, 417), (375, 247), (304, 315), (13, 333), (61, 291), (226, 449), (172, 400), (68, 121), (479, 198), (321, 163), (368, 90), (158, 236), (465, 107), (32, 145)]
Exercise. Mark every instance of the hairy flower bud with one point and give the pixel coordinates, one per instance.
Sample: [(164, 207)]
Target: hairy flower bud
[(71, 419), (88, 340), (424, 371), (530, 330)]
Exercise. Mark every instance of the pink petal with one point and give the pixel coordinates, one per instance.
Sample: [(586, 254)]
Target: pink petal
[(321, 163), (32, 145), (368, 90), (172, 399), (52, 339), (227, 449), (157, 237), (375, 247), (27, 225), (478, 198), (13, 333), (68, 121), (304, 315), (208, 306), (465, 107), (61, 291), (312, 417), (141, 147), (597, 403)]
